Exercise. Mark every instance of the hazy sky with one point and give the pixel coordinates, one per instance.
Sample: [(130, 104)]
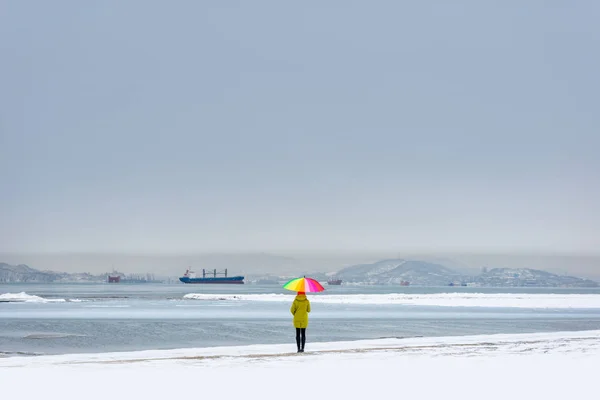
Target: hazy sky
[(155, 126)]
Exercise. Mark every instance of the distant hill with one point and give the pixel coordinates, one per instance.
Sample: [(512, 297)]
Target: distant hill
[(507, 277), (394, 271), (24, 273), (422, 273)]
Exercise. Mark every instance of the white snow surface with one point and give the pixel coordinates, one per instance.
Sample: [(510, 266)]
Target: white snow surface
[(23, 297), (525, 300), (522, 366)]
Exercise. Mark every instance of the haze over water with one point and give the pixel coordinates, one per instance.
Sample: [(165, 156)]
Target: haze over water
[(153, 128)]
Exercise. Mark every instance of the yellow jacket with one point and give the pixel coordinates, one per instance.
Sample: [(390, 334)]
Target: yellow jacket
[(300, 309)]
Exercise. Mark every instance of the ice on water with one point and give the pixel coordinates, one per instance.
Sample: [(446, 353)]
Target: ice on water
[(510, 300), (524, 300), (23, 297)]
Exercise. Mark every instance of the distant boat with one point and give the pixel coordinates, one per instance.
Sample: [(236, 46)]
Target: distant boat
[(190, 277), (115, 277), (404, 283), (335, 282)]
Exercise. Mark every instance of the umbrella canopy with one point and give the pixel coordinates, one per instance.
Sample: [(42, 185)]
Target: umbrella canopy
[(304, 284)]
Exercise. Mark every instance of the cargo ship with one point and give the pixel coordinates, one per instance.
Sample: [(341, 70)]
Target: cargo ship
[(335, 282), (211, 277)]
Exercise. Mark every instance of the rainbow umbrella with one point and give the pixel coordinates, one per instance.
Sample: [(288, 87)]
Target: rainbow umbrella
[(304, 284)]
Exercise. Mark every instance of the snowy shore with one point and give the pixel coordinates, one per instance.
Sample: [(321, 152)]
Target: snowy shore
[(525, 366)]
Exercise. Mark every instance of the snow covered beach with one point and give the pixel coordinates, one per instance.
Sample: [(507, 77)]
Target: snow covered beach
[(524, 366)]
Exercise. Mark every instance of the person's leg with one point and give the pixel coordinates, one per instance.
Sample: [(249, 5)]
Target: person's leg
[(298, 338), (303, 337)]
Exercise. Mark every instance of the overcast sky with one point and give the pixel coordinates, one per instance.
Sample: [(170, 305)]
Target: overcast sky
[(165, 127)]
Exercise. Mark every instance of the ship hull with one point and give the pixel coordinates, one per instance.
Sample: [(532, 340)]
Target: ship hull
[(234, 280)]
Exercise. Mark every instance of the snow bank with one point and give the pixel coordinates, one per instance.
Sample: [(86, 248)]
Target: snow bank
[(581, 301), (27, 298), (531, 366)]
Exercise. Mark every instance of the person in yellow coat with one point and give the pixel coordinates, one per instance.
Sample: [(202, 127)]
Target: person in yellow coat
[(300, 309)]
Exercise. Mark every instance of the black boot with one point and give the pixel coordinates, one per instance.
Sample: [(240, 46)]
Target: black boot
[(303, 341), (298, 344)]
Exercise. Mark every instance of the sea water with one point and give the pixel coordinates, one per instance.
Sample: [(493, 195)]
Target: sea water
[(90, 318)]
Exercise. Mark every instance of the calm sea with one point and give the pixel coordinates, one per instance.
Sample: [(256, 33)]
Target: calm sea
[(124, 317)]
